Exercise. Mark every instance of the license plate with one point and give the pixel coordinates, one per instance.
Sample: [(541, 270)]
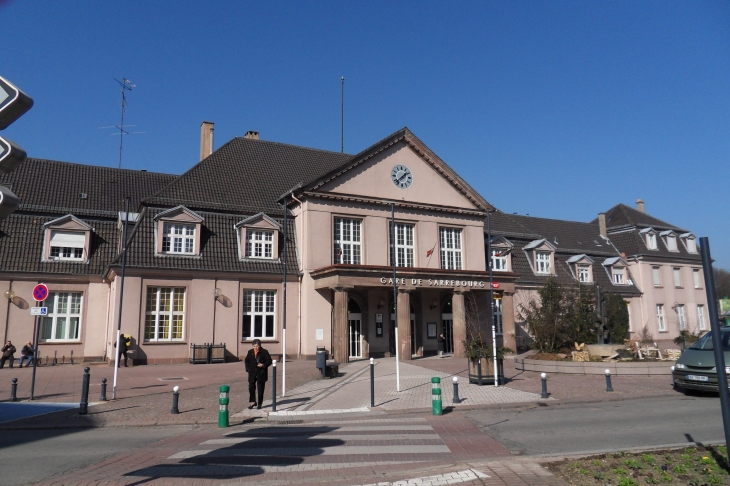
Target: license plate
[(697, 378)]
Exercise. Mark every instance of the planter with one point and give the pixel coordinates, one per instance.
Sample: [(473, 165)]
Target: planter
[(648, 368), (484, 374)]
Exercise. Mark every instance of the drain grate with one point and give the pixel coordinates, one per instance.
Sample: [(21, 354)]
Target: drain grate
[(175, 378), (287, 422)]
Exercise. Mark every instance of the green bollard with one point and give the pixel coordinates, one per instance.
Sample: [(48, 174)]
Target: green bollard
[(223, 402), (436, 403)]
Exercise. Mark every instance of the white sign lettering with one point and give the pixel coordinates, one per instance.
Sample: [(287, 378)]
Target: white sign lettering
[(419, 282)]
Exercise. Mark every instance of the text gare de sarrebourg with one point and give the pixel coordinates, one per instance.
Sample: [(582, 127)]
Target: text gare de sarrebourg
[(419, 282)]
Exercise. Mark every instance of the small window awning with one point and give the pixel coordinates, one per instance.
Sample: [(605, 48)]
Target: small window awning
[(68, 239)]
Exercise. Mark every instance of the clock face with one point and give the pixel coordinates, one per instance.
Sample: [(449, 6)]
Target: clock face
[(401, 176)]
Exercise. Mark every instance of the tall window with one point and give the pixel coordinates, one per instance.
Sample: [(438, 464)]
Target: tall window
[(691, 245), (64, 317), (583, 275), (499, 261), (498, 314), (651, 241), (66, 245), (404, 245), (701, 317), (696, 277), (260, 244), (348, 241), (680, 317), (165, 314), (619, 274), (542, 262), (657, 274), (672, 243), (178, 238), (450, 239), (660, 317), (258, 314), (677, 277)]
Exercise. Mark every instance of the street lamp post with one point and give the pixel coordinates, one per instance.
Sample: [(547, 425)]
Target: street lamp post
[(491, 299)]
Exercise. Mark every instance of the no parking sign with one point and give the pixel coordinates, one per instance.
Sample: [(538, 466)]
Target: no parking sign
[(40, 292)]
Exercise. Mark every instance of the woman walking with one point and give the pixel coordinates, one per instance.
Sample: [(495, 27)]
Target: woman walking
[(257, 364)]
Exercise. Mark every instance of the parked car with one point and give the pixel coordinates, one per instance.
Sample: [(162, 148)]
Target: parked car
[(695, 369)]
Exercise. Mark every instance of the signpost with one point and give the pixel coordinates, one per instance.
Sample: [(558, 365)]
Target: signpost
[(40, 293)]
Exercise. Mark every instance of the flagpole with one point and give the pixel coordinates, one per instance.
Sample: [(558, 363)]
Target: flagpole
[(395, 294)]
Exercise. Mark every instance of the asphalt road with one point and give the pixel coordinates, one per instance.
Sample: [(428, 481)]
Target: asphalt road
[(27, 456), (607, 426)]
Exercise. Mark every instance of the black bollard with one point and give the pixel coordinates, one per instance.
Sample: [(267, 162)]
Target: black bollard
[(372, 382), (544, 386), (609, 388), (102, 398), (84, 405), (72, 356), (175, 395), (14, 390), (456, 390), (55, 358), (273, 388)]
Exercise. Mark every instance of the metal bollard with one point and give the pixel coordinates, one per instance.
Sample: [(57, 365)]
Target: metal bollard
[(609, 388), (55, 358), (175, 399), (14, 390), (544, 394), (84, 405), (436, 403), (72, 356), (273, 387), (456, 390), (102, 397), (372, 382), (223, 402)]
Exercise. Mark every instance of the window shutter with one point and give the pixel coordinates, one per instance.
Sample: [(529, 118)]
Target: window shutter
[(68, 239)]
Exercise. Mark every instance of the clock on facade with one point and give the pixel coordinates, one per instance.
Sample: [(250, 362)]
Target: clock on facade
[(401, 176)]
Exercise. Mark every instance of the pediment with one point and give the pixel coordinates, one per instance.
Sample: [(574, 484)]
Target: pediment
[(501, 242), (541, 244), (368, 175), (581, 259), (68, 222), (609, 262), (259, 220), (180, 214)]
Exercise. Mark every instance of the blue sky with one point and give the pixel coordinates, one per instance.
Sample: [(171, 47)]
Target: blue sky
[(553, 109)]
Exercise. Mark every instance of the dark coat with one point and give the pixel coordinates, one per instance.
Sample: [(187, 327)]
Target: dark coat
[(8, 351), (26, 351), (442, 342), (255, 373)]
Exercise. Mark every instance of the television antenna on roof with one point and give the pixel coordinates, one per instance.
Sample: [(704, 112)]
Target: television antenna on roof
[(125, 85)]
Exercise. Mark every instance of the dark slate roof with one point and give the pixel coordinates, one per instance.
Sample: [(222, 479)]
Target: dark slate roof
[(21, 246), (247, 176), (622, 215), (48, 186), (631, 243), (569, 237), (219, 247)]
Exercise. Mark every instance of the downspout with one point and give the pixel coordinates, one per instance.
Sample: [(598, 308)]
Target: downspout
[(215, 307), (304, 253), (108, 310), (7, 317)]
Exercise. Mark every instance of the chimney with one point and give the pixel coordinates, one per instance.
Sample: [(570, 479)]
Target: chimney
[(602, 224), (640, 206), (252, 135), (206, 139)]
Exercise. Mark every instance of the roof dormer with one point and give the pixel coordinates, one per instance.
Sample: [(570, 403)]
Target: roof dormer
[(670, 240), (581, 266), (541, 255), (66, 239), (689, 241), (501, 256), (618, 271), (178, 232), (258, 238), (649, 236)]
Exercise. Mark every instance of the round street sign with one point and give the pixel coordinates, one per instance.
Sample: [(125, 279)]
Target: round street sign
[(40, 292)]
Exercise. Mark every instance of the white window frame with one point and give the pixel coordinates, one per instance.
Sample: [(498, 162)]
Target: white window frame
[(451, 248), (260, 244), (67, 253), (651, 241), (173, 315), (681, 317), (701, 317), (348, 241), (498, 314), (656, 273), (691, 245), (542, 262), (696, 278), (672, 243), (584, 273), (677, 275), (178, 238), (618, 275), (258, 304), (499, 260), (661, 325), (405, 246), (73, 307)]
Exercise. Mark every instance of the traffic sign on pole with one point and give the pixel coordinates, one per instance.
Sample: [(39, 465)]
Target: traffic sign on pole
[(40, 292), (39, 311), (13, 103)]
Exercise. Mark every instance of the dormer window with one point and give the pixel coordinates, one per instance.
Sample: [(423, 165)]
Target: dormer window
[(583, 274), (501, 252), (649, 238), (670, 240), (499, 261), (617, 271), (689, 242), (258, 237), (542, 254), (67, 239), (619, 275), (582, 267), (178, 232)]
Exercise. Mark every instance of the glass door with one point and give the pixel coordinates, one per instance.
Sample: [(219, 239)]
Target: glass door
[(354, 330)]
